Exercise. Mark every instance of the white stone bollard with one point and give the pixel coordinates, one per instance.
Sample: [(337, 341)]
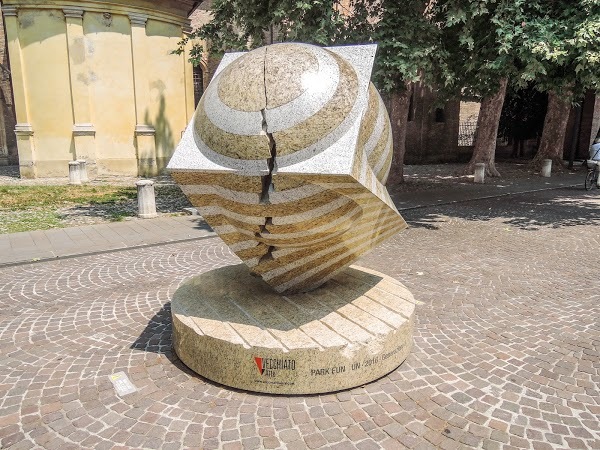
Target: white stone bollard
[(74, 173), (83, 171), (479, 173), (146, 200), (546, 167)]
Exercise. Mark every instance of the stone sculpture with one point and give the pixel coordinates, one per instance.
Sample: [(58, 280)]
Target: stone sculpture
[(286, 159)]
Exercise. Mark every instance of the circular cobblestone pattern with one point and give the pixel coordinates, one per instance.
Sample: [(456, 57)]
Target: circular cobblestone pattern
[(507, 344)]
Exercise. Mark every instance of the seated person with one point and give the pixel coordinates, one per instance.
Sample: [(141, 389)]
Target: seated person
[(595, 156), (595, 150)]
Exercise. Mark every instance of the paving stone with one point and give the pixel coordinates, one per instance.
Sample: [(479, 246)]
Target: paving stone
[(271, 442), (407, 440), (368, 444), (315, 440), (575, 443), (488, 444), (251, 443), (485, 358), (324, 423), (289, 435)]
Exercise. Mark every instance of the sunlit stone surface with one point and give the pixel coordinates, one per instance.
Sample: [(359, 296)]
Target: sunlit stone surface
[(232, 328), (286, 159)]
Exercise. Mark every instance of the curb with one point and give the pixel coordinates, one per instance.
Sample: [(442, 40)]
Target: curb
[(485, 197), (101, 252)]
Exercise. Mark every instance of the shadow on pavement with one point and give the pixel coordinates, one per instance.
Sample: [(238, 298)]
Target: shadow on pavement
[(566, 207), (156, 337), (200, 224)]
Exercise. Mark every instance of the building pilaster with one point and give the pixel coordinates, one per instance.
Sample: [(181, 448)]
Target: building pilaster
[(145, 134), (188, 71), (84, 134), (23, 129)]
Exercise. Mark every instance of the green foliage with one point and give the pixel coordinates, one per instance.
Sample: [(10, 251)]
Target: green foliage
[(480, 38), (553, 45), (28, 220), (560, 46), (408, 47), (245, 24), (118, 216)]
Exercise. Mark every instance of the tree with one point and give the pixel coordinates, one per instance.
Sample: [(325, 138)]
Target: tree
[(407, 41), (480, 38), (486, 133), (553, 45), (560, 52), (239, 25)]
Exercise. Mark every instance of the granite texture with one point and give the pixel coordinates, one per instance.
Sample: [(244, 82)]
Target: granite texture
[(230, 327), (290, 173), (286, 82)]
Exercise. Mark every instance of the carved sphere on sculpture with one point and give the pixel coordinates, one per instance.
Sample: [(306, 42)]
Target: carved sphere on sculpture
[(296, 97), (286, 159)]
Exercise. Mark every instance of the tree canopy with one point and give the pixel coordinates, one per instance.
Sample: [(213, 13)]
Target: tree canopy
[(245, 24), (560, 45), (408, 40), (551, 45)]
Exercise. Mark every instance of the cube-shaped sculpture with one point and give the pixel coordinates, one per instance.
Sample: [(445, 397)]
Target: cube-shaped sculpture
[(286, 159)]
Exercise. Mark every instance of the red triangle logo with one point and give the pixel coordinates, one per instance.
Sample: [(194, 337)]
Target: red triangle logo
[(259, 364)]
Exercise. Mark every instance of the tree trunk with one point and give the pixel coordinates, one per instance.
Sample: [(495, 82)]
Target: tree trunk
[(484, 150), (399, 105), (555, 129)]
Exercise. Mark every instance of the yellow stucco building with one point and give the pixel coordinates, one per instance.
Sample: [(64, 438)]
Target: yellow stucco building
[(97, 80)]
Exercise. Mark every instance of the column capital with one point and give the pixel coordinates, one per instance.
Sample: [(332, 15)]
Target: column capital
[(76, 13), (9, 10), (23, 129), (187, 27), (138, 19), (144, 130), (83, 129)]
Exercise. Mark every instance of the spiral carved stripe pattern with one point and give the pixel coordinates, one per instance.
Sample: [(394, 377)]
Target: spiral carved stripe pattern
[(286, 159)]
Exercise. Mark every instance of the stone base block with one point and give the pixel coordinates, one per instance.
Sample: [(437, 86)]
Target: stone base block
[(232, 328)]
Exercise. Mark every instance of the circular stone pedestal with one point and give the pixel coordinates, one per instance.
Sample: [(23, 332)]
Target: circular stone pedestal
[(232, 328)]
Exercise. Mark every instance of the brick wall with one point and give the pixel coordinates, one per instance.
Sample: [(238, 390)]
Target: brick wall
[(432, 132)]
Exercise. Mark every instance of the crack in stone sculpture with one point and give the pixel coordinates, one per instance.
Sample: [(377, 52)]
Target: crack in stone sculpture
[(286, 159)]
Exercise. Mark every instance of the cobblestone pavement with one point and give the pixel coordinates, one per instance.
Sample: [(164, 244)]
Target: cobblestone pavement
[(506, 355)]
